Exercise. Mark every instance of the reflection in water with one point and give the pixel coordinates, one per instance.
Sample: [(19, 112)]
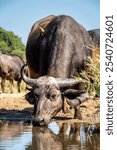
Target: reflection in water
[(59, 136), (14, 136)]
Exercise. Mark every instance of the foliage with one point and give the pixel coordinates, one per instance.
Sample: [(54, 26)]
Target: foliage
[(91, 76), (11, 43)]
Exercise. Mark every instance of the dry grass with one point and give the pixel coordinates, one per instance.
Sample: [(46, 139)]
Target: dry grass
[(14, 101), (91, 75), (8, 87)]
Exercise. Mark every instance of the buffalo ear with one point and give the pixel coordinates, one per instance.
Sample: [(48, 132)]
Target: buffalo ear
[(75, 97), (32, 101), (30, 98)]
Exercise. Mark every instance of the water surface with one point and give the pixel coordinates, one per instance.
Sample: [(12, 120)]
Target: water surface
[(57, 136)]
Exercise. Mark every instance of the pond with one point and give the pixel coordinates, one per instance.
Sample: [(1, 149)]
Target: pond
[(57, 136)]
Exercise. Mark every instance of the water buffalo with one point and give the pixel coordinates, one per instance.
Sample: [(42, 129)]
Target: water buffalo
[(53, 58), (95, 35), (10, 67)]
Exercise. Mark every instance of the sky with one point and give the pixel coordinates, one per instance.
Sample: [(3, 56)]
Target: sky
[(19, 15)]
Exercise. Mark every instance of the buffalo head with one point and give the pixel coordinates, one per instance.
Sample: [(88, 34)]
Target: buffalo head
[(47, 96)]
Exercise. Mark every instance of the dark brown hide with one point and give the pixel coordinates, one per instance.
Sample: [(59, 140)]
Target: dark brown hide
[(62, 51), (53, 57), (95, 36)]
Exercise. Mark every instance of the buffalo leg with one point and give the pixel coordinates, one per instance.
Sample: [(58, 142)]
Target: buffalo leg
[(77, 114), (18, 85), (2, 85), (65, 105), (11, 84)]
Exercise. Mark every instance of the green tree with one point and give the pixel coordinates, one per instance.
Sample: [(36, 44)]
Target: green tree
[(11, 43)]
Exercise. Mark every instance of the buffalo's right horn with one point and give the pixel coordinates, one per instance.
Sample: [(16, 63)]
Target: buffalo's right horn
[(27, 80), (64, 83)]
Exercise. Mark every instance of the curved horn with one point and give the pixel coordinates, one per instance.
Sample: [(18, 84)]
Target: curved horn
[(27, 80), (63, 83)]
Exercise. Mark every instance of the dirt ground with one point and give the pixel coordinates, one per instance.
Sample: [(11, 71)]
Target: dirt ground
[(16, 105)]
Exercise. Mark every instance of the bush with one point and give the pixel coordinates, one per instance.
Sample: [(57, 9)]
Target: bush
[(91, 76), (11, 43), (18, 53)]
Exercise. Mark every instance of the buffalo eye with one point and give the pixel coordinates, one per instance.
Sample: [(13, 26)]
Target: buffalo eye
[(52, 97)]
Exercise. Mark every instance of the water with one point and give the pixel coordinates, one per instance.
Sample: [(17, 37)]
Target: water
[(57, 136)]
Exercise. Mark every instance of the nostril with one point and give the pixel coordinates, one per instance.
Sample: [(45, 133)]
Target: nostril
[(38, 121), (41, 120)]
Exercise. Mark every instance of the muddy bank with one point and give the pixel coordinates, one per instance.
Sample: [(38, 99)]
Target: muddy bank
[(15, 107)]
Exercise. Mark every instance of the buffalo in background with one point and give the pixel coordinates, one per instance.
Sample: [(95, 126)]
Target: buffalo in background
[(95, 36), (10, 67), (54, 55)]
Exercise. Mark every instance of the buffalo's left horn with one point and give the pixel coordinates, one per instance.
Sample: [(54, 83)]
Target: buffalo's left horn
[(27, 80), (64, 83)]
